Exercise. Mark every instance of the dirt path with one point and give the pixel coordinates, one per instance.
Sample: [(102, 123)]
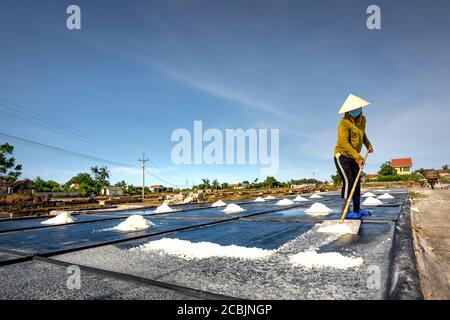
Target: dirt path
[(431, 226)]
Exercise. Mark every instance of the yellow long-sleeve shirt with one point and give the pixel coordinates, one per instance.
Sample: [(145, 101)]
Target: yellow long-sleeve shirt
[(351, 137)]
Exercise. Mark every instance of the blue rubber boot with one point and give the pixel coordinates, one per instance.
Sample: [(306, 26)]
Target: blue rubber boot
[(351, 215), (364, 212)]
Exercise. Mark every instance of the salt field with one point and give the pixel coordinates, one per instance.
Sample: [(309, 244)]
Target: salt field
[(264, 251)]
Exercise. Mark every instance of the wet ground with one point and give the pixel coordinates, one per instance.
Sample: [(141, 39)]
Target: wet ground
[(43, 253)]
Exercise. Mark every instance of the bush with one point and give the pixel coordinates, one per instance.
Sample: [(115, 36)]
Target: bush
[(16, 198), (406, 177)]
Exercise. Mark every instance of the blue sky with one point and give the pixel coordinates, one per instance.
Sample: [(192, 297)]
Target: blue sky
[(137, 70)]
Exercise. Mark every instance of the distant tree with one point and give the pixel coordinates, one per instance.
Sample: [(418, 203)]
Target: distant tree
[(271, 182), (225, 185), (8, 168), (206, 184), (386, 169), (284, 184), (131, 189), (445, 167), (215, 184), (122, 185), (101, 175), (86, 183), (46, 186), (420, 171), (337, 179), (306, 181)]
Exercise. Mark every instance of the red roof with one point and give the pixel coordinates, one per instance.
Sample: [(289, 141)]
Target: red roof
[(402, 162)]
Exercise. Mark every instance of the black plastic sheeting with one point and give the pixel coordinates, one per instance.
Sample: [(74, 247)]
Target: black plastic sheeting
[(78, 235), (385, 213), (259, 234), (201, 210), (404, 282), (398, 264), (8, 226)]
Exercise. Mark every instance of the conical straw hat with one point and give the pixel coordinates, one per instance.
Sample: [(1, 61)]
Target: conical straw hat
[(353, 102)]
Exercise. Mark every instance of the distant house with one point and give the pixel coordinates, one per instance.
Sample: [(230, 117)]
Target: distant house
[(74, 186), (236, 186), (444, 173), (112, 191), (402, 165), (157, 188)]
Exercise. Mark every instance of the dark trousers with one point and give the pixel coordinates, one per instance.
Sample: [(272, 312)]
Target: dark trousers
[(348, 169)]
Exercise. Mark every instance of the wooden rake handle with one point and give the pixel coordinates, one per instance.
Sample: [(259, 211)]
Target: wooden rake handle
[(350, 197)]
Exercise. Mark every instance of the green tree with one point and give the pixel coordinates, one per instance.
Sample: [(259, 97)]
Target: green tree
[(215, 184), (131, 189), (445, 167), (386, 169), (101, 175), (46, 186), (86, 183), (205, 185), (337, 179), (122, 185), (9, 170), (271, 182), (420, 171), (225, 185)]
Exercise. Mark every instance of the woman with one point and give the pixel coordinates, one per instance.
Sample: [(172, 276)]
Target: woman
[(351, 137)]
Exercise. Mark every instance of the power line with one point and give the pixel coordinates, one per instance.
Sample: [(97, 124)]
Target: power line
[(62, 129), (52, 125), (56, 130), (68, 152), (80, 155), (163, 180)]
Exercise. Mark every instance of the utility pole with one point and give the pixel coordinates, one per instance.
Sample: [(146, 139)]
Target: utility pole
[(143, 160)]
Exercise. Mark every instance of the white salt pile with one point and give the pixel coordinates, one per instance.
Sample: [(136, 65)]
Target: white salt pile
[(315, 196), (386, 196), (269, 198), (299, 198), (368, 194), (61, 218), (312, 259), (202, 250), (163, 209), (318, 209), (338, 228), (233, 208), (219, 203), (415, 209), (259, 199), (371, 201), (285, 202), (134, 223)]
